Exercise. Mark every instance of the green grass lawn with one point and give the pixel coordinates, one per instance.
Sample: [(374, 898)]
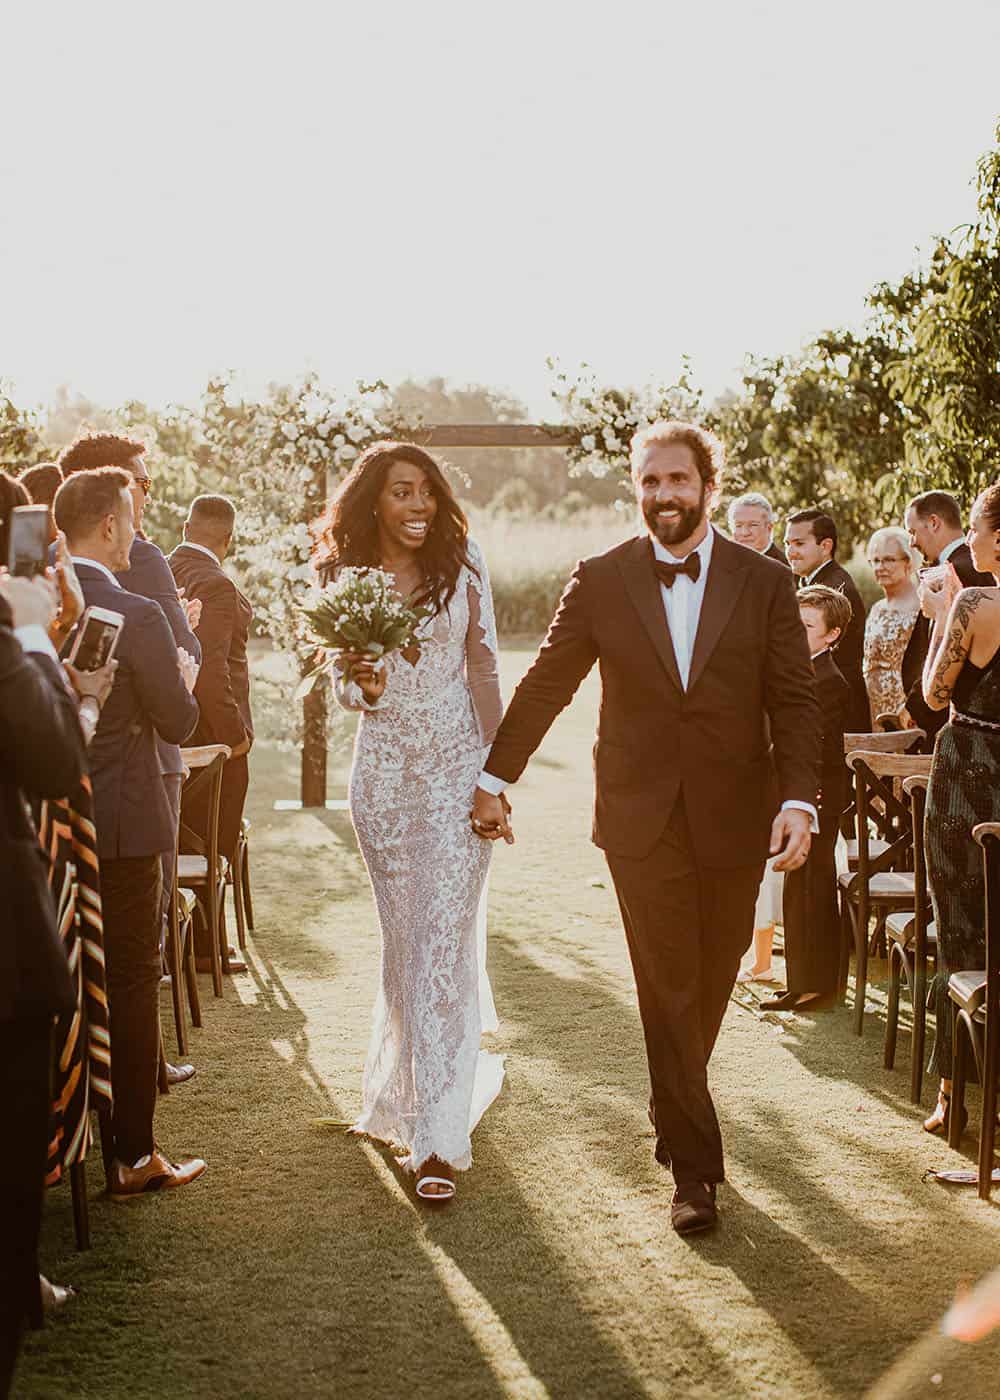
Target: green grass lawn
[(301, 1266)]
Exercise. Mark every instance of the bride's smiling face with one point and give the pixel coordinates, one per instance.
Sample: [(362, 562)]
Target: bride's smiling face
[(407, 505)]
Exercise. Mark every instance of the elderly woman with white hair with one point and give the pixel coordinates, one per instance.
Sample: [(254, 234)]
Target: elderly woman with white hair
[(892, 619)]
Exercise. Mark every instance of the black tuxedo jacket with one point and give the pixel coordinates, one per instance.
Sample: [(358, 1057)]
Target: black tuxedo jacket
[(916, 651), (742, 738), (834, 695), (148, 700), (851, 647), (41, 755), (223, 686), (773, 551)]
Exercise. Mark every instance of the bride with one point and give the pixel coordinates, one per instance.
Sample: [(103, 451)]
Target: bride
[(429, 715)]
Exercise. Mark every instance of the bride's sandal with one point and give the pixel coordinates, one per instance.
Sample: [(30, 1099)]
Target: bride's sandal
[(433, 1185), (939, 1121)]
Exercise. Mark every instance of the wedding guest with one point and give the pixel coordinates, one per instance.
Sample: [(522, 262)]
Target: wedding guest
[(42, 483), (223, 686), (965, 776), (811, 916), (811, 546), (891, 621), (41, 754), (147, 574), (151, 695), (751, 523), (934, 525)]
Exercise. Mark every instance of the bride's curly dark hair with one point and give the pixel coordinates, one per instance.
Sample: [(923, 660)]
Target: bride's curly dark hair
[(347, 531)]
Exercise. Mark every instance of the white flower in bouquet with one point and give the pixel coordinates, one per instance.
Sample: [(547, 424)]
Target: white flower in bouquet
[(359, 611)]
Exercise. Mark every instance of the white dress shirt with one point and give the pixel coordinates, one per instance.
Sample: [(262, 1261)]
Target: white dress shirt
[(949, 549)]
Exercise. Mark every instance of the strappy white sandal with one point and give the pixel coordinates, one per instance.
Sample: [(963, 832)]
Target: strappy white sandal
[(437, 1197)]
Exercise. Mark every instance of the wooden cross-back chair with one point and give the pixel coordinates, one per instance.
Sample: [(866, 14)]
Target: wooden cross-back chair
[(975, 1007), (200, 866), (881, 741), (912, 941), (883, 881)]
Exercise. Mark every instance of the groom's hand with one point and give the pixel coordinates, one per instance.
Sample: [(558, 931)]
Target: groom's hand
[(490, 817), (790, 839)]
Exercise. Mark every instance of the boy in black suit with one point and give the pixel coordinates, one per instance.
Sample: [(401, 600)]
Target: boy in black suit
[(811, 919)]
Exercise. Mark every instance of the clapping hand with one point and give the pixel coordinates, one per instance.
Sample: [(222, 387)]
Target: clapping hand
[(937, 590), (363, 669), (189, 667), (192, 607)]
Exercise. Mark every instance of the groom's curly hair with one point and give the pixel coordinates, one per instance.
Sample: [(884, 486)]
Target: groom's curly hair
[(347, 531), (709, 454)]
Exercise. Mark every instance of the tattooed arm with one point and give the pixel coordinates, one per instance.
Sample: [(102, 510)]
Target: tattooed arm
[(951, 638)]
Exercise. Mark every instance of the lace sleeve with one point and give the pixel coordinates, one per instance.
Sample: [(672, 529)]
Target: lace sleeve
[(482, 650)]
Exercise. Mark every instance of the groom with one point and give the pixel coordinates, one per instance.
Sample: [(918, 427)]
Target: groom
[(707, 758)]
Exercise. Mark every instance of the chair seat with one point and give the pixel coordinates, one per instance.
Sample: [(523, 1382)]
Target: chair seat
[(887, 887), (876, 847), (193, 870), (900, 926), (968, 989)]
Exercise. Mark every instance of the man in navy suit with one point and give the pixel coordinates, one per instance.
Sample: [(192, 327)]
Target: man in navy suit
[(152, 696)]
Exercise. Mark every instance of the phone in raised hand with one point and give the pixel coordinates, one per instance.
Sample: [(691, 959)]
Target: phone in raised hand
[(96, 639), (28, 549)]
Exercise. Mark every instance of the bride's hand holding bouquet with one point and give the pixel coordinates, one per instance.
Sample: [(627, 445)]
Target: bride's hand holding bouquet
[(357, 621)]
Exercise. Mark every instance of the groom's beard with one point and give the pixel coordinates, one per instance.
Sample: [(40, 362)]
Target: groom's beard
[(673, 531)]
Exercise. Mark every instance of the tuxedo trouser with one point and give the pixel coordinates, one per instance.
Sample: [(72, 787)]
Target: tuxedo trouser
[(25, 1080), (131, 894), (812, 921), (687, 929)]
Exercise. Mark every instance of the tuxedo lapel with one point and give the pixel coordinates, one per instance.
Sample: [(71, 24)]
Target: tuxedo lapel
[(643, 588), (726, 577)]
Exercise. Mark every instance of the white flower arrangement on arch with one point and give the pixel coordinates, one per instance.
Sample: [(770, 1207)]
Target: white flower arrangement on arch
[(603, 419)]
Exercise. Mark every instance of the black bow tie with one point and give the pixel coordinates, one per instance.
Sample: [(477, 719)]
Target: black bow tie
[(666, 573)]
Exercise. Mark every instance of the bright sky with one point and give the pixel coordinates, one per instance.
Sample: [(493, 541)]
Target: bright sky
[(462, 189)]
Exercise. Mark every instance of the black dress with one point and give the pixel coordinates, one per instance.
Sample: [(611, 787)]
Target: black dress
[(964, 789)]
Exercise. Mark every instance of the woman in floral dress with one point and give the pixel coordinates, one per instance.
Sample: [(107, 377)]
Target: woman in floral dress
[(891, 621)]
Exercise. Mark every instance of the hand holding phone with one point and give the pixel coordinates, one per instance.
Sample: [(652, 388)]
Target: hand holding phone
[(96, 639)]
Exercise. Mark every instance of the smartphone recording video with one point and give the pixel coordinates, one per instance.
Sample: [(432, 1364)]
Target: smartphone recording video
[(96, 639), (29, 541)]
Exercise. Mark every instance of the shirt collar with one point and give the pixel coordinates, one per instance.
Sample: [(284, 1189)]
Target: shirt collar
[(94, 564), (704, 550), (949, 550), (817, 654), (202, 549), (816, 572)]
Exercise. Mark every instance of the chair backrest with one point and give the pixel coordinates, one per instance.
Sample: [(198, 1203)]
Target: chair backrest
[(880, 805), (894, 741), (206, 765), (988, 836), (915, 788)]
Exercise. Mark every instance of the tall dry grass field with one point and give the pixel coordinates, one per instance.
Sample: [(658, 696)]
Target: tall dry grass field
[(530, 558)]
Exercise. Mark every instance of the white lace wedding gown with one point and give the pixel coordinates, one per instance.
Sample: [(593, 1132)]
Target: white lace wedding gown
[(418, 753)]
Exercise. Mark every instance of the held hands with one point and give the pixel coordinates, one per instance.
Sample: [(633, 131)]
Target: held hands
[(363, 669), (33, 602), (189, 667), (490, 817), (790, 839)]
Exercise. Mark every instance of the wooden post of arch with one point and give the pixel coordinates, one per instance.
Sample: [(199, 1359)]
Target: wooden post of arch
[(313, 773)]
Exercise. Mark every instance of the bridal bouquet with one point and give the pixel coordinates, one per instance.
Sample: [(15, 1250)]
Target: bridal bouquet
[(360, 611)]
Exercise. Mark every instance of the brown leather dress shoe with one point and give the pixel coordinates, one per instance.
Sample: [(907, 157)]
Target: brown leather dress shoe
[(156, 1175), (179, 1074), (693, 1207)]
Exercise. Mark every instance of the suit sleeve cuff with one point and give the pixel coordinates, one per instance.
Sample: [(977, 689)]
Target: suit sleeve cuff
[(490, 784), (793, 806), (35, 638)]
